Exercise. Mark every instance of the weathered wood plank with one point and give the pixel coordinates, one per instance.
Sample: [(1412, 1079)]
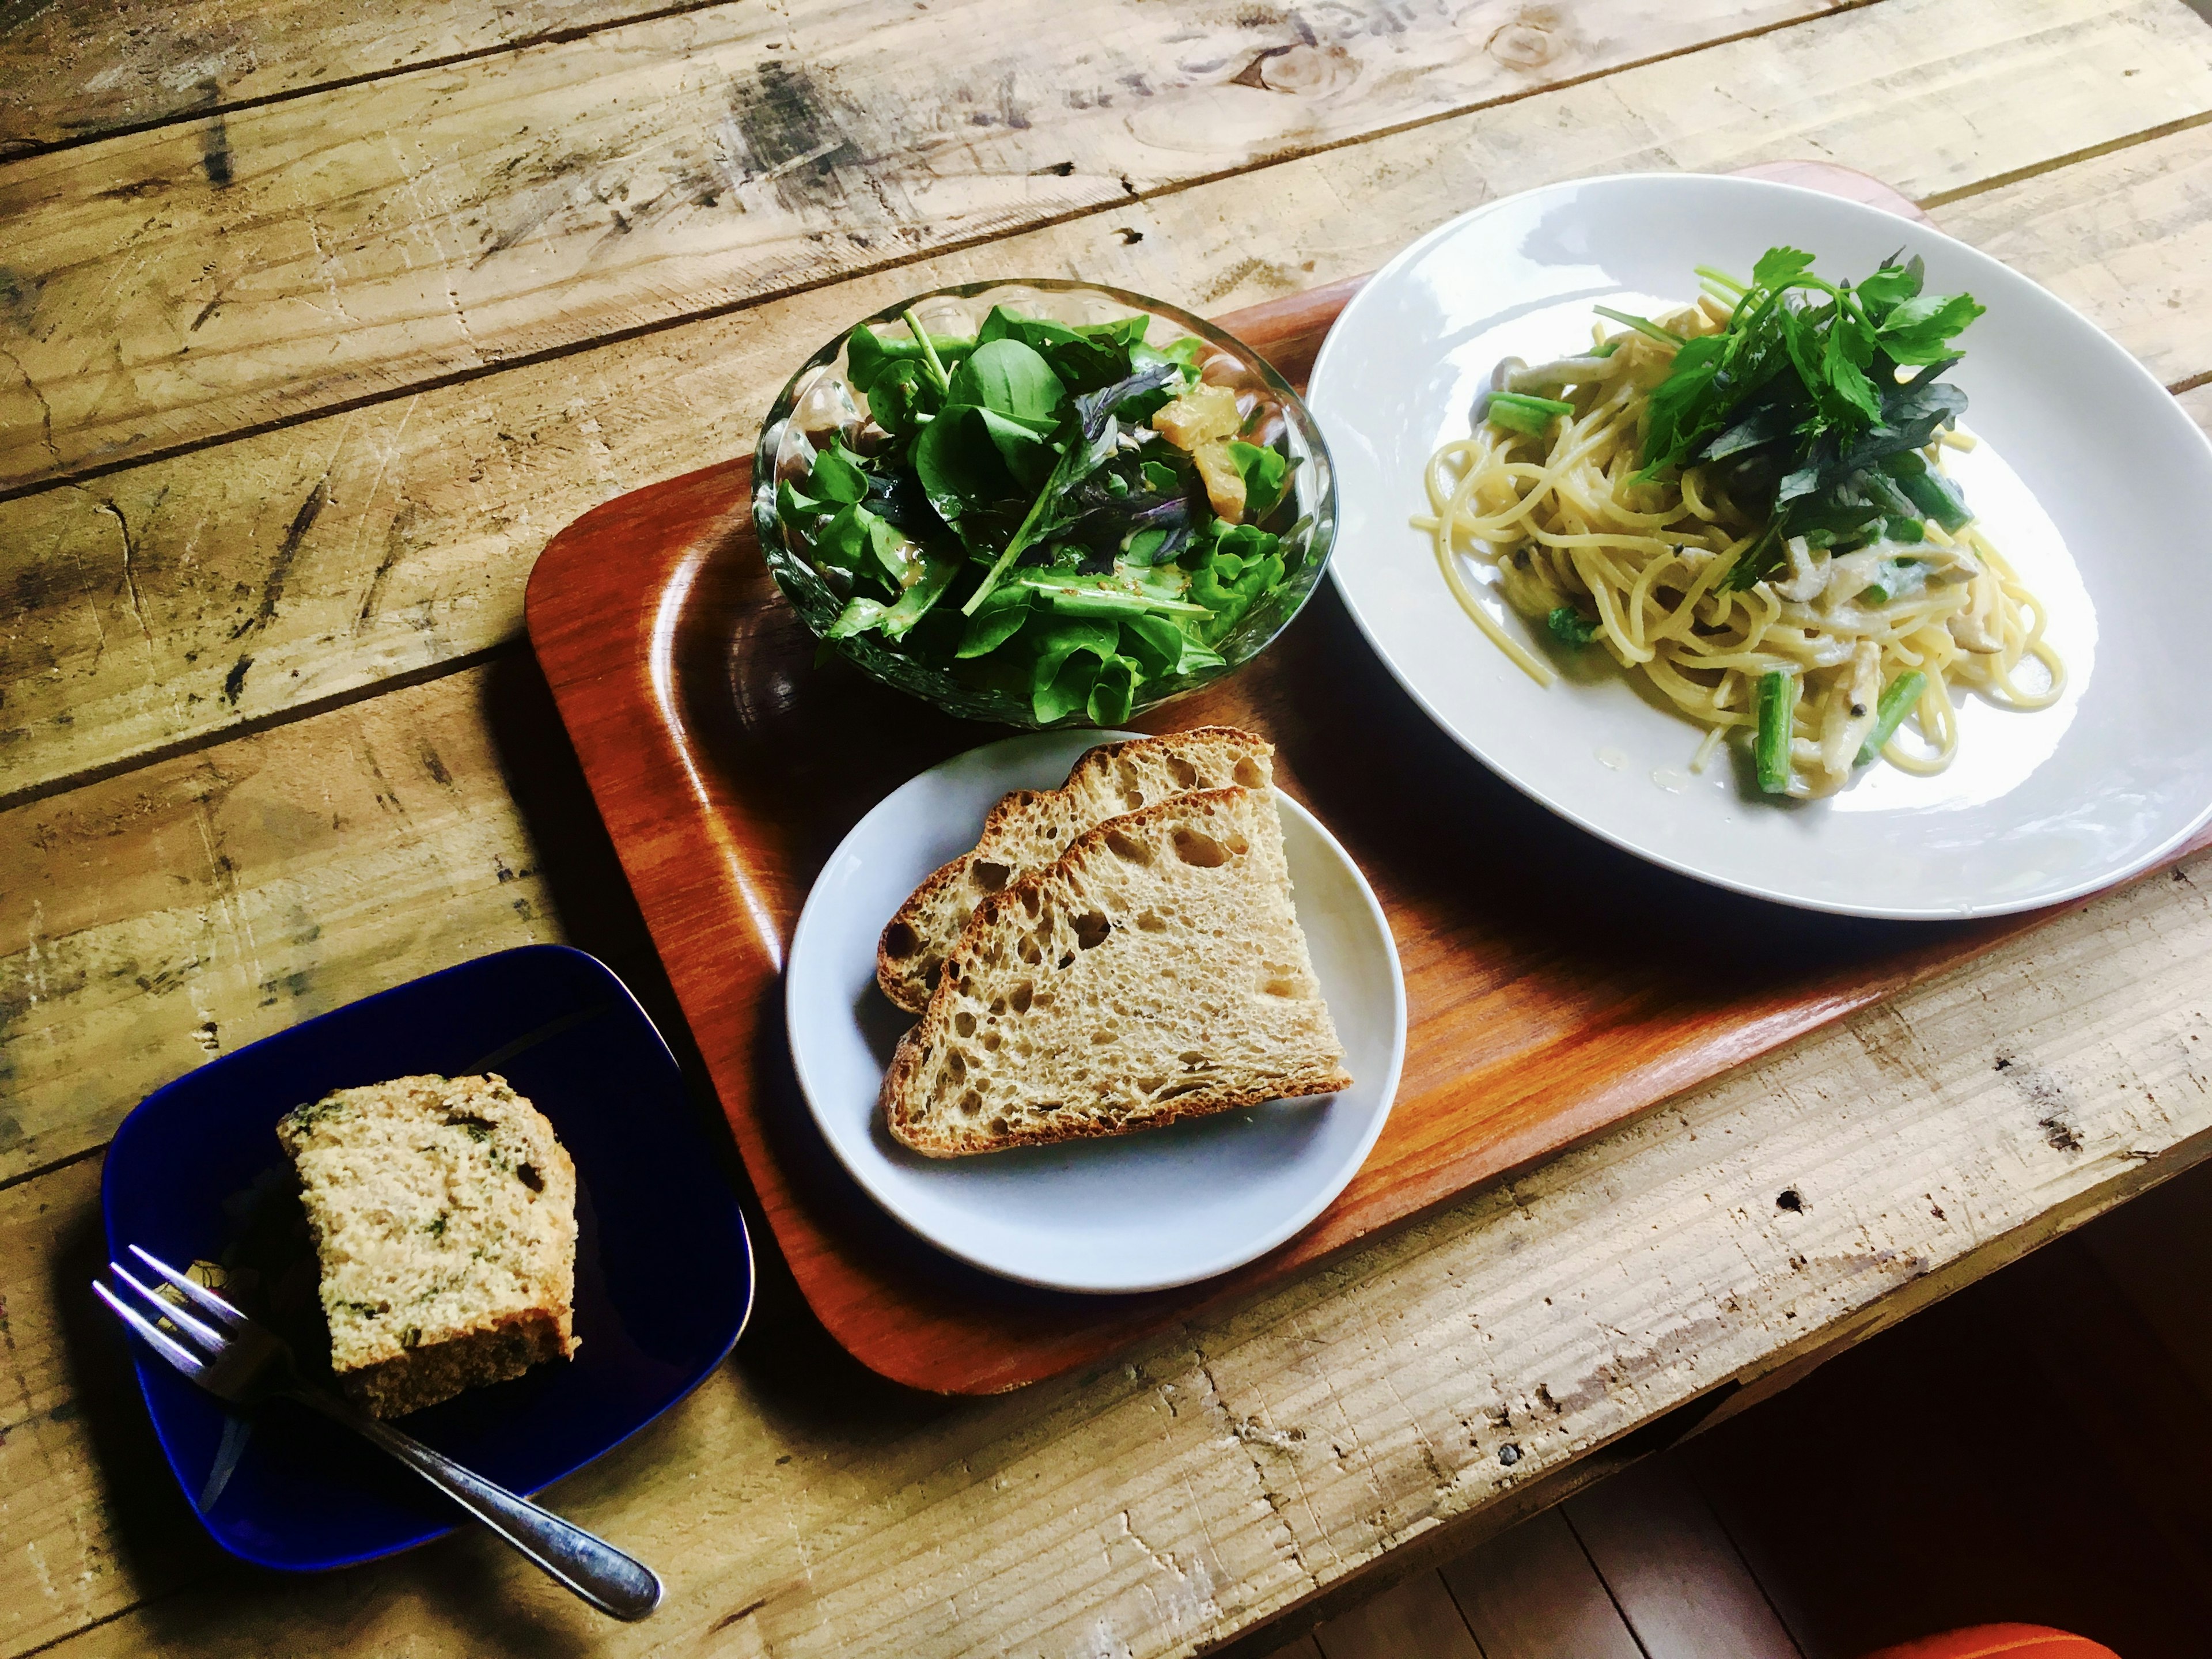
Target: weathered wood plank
[(398, 537), (175, 913), (170, 286), (1230, 1470), (71, 69)]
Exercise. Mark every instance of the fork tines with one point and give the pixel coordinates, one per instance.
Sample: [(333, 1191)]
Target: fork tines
[(211, 1340)]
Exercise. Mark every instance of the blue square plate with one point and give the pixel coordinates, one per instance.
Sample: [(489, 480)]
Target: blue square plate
[(663, 1270)]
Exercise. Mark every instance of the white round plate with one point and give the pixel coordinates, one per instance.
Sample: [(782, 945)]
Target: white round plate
[(1135, 1212), (2088, 476)]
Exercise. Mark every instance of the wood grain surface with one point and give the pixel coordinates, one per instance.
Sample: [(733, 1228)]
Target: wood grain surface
[(393, 539), (73, 70), (792, 1504), (293, 255)]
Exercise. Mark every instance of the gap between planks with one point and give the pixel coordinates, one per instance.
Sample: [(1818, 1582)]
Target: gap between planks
[(24, 149), (792, 286), (213, 737)]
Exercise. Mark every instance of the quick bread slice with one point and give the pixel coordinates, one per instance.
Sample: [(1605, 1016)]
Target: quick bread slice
[(444, 1211), (1031, 827), (1156, 971)]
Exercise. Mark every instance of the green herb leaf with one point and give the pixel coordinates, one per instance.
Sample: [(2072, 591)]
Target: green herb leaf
[(1570, 626), (996, 622), (1779, 267), (1156, 643), (1891, 286), (1113, 692), (1010, 378), (1919, 331), (1266, 470), (938, 566), (959, 464), (837, 474)]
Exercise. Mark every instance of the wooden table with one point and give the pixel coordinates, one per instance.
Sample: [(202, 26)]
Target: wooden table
[(318, 319)]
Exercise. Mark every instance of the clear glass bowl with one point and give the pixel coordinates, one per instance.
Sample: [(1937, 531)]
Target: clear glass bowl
[(818, 401)]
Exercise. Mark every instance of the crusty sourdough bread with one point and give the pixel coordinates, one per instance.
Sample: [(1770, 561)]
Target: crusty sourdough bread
[(1156, 971), (1031, 827), (444, 1211)]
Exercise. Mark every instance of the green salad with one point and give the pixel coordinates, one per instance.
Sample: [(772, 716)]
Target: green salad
[(1065, 513)]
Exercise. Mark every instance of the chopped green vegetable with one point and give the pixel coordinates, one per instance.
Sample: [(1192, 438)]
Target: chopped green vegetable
[(1928, 490), (1520, 412), (1906, 532), (1777, 713), (1571, 626), (1898, 698)]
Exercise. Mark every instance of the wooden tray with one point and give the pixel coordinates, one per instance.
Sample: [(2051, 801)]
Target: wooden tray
[(1554, 986)]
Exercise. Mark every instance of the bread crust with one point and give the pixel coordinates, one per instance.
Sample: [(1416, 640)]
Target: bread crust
[(894, 976), (913, 1048)]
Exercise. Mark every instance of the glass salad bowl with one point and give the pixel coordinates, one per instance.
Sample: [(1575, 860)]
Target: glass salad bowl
[(977, 508)]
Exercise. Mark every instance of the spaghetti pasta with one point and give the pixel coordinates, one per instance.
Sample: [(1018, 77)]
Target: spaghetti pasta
[(1579, 543)]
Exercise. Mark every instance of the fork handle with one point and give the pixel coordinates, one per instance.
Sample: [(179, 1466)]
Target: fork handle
[(610, 1580)]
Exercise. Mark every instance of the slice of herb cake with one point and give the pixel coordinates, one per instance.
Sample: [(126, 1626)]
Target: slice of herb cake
[(444, 1211)]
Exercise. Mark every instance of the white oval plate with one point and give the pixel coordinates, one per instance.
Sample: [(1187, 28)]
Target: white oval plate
[(1136, 1212), (2089, 477)]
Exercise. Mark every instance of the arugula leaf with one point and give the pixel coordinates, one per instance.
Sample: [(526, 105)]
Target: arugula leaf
[(957, 464), (1021, 445), (1156, 643), (996, 622), (1266, 470), (940, 565), (836, 475), (903, 399), (1113, 692), (858, 616)]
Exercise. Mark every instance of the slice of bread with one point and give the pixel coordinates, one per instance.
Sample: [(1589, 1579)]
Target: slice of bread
[(1031, 827), (1156, 971), (444, 1211)]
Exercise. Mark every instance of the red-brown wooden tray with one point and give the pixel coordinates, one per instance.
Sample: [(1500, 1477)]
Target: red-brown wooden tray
[(1554, 986)]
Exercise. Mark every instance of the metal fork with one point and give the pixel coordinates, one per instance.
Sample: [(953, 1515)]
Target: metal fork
[(236, 1359)]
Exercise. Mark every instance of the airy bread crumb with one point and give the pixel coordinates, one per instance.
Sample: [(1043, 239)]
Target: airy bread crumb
[(1030, 829), (1156, 971), (444, 1211)]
